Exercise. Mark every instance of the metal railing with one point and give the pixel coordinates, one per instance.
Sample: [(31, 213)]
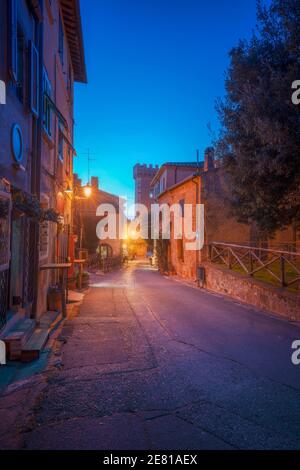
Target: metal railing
[(94, 262), (281, 267)]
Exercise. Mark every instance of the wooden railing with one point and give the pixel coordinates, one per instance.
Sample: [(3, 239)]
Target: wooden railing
[(279, 267)]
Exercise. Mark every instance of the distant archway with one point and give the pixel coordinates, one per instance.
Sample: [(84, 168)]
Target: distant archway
[(105, 251)]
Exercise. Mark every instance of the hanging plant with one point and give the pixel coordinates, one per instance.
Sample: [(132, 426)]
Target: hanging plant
[(26, 203), (50, 215), (4, 209), (29, 205)]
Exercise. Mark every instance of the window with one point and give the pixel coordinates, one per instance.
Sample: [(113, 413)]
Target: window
[(181, 203), (69, 161), (13, 39), (61, 40), (21, 65), (34, 79), (46, 103), (61, 147), (180, 250)]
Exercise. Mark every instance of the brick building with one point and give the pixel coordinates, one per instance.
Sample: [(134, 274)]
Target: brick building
[(205, 185), (169, 174), (41, 55), (86, 220)]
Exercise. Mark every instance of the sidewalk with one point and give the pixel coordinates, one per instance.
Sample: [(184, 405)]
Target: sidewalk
[(21, 384)]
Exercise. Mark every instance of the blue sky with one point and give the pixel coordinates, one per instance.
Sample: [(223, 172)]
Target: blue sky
[(155, 69)]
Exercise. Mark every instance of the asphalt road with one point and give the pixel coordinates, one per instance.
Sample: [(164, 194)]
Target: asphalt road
[(151, 363)]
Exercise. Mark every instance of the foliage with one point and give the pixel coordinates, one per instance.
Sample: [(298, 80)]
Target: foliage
[(30, 205), (50, 215), (260, 138)]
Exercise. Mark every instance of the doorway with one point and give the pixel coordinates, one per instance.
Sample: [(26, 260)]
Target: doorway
[(17, 262)]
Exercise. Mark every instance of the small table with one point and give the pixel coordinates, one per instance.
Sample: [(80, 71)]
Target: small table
[(80, 262), (64, 267)]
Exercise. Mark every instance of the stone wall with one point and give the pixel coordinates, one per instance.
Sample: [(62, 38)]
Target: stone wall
[(252, 292)]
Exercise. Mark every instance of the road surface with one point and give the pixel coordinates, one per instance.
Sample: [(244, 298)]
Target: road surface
[(152, 363)]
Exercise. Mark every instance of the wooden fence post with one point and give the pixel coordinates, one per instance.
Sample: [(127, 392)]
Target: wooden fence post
[(282, 271), (251, 263)]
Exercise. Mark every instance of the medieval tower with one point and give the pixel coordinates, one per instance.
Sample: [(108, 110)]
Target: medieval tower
[(143, 175)]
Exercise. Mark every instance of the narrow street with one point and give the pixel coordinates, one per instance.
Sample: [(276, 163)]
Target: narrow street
[(151, 363)]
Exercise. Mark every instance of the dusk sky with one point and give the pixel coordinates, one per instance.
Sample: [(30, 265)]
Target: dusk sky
[(155, 69)]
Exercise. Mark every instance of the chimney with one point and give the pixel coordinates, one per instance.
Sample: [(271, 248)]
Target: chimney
[(95, 182), (209, 159)]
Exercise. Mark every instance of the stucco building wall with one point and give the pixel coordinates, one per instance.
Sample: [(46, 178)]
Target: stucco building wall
[(219, 225)]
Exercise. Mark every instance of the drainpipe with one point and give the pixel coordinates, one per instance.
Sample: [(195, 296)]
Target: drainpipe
[(196, 181), (36, 166)]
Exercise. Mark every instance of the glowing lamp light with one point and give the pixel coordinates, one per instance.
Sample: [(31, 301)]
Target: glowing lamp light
[(68, 190), (87, 190)]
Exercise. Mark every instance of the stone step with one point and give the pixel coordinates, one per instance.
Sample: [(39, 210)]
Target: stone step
[(16, 338), (12, 319), (50, 319), (32, 349)]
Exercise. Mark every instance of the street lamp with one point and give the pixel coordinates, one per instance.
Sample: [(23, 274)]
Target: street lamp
[(68, 190), (87, 190)]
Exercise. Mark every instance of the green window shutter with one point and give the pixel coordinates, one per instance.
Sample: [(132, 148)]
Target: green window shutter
[(13, 40)]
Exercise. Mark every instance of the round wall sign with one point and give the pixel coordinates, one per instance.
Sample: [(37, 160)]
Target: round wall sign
[(17, 143)]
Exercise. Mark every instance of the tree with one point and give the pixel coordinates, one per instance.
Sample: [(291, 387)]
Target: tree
[(260, 138)]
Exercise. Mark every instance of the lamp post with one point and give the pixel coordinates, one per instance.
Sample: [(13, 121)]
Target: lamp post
[(77, 193)]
